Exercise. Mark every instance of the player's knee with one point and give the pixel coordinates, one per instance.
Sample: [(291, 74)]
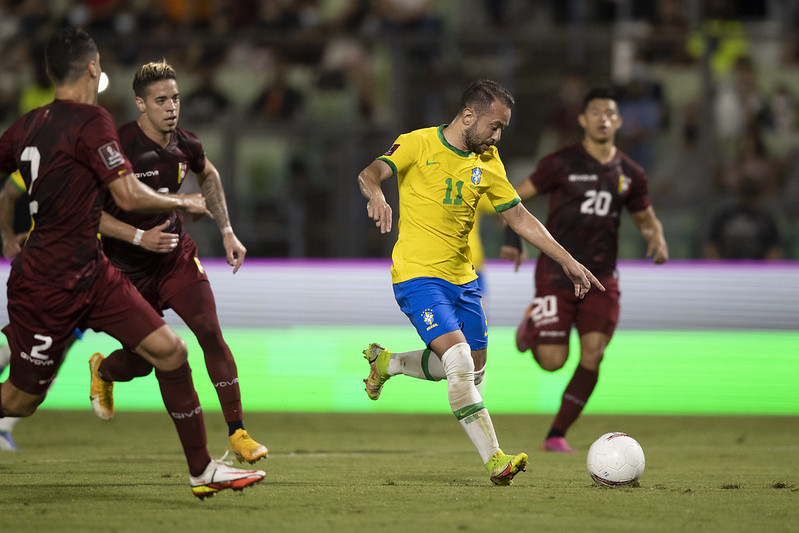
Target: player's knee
[(549, 360), (458, 363)]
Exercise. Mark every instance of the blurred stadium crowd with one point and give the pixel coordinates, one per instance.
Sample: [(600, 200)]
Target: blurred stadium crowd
[(291, 98)]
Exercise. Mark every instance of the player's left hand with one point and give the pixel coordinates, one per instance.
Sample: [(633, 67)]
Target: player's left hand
[(582, 278), (658, 250), (234, 250)]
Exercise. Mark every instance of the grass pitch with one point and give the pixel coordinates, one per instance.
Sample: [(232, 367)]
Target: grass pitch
[(399, 472)]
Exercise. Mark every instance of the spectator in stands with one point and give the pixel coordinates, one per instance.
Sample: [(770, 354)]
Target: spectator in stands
[(279, 100), (745, 228), (205, 103)]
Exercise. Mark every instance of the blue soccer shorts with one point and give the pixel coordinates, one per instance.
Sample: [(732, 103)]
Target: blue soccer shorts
[(436, 307)]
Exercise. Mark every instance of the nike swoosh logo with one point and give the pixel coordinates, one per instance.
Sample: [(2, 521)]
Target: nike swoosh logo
[(432, 163)]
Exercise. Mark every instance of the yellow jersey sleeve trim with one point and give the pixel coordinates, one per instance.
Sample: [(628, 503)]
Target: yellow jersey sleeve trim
[(507, 205), (389, 162), (16, 179)]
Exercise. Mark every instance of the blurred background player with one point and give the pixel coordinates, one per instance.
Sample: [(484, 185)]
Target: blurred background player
[(160, 258), (589, 183), (432, 272), (68, 153)]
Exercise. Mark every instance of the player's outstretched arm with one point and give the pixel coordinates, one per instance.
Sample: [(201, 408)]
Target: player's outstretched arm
[(531, 230), (369, 181), (132, 195), (211, 186), (652, 230), (153, 239)]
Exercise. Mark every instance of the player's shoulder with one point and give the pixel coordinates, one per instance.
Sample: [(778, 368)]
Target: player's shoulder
[(186, 136), (81, 110), (628, 163)]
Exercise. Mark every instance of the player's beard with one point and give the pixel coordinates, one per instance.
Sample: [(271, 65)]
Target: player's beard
[(472, 141)]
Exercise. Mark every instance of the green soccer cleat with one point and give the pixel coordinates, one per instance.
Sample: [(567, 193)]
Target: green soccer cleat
[(503, 467), (378, 358)]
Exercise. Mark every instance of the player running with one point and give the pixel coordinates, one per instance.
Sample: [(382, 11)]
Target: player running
[(69, 155), (160, 258), (589, 183), (442, 172)]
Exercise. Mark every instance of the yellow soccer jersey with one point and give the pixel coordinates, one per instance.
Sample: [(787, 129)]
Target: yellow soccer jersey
[(439, 187)]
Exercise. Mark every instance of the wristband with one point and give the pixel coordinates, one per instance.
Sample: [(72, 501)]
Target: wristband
[(137, 237), (512, 238), (227, 229)]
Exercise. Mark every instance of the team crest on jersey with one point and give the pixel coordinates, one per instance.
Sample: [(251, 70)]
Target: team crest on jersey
[(476, 175), (624, 184), (429, 319), (182, 168), (111, 155), (393, 149)]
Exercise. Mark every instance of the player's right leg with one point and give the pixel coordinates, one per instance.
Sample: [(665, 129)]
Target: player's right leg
[(124, 314), (194, 303)]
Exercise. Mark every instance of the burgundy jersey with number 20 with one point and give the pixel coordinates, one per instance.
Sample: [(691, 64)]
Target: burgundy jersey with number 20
[(586, 200)]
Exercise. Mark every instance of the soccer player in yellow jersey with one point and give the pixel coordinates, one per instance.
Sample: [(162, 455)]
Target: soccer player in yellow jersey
[(442, 172)]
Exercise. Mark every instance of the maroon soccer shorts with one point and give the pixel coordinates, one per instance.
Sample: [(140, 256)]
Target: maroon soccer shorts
[(180, 269), (43, 317), (554, 311)]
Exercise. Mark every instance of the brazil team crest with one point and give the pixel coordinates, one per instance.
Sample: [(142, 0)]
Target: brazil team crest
[(476, 175), (429, 319)]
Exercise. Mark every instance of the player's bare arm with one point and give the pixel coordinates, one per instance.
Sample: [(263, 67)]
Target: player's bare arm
[(369, 181), (12, 243), (652, 230), (132, 195), (513, 253), (152, 240), (534, 232), (211, 186)]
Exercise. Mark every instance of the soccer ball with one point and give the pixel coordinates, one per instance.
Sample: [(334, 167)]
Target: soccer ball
[(615, 459)]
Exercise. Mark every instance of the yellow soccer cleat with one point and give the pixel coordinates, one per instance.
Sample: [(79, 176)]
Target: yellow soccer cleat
[(378, 358), (101, 392), (245, 448), (503, 467)]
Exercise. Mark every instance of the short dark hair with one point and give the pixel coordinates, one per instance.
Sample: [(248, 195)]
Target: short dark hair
[(482, 93), (67, 54), (150, 73), (599, 93)]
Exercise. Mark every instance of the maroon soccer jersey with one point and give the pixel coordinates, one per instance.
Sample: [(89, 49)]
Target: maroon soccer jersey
[(59, 149), (163, 169), (586, 200)]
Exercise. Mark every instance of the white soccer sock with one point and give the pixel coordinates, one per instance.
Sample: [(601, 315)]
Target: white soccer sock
[(7, 423), (421, 364), (466, 402)]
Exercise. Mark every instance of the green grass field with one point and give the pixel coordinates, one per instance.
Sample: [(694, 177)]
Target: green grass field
[(399, 472), (340, 462)]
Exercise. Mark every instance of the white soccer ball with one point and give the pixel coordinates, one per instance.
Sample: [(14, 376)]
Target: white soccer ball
[(615, 459)]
